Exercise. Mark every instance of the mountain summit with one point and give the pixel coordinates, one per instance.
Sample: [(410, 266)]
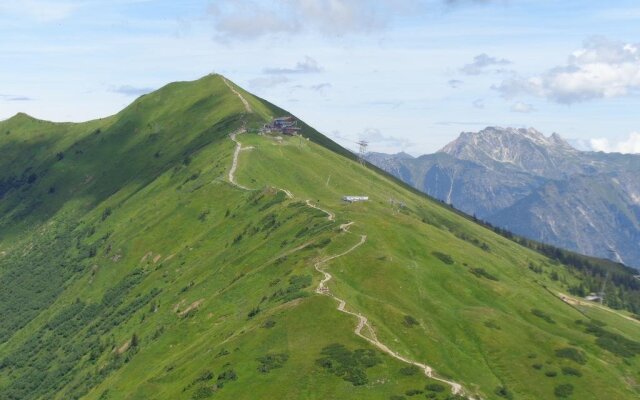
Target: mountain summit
[(526, 149), (537, 186)]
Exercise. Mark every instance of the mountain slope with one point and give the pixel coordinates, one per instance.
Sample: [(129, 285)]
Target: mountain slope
[(157, 269), (507, 177)]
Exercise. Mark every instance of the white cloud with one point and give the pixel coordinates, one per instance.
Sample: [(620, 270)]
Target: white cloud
[(454, 83), (478, 103), (39, 10), (307, 66), (321, 87), (129, 90), (601, 69), (377, 138), (268, 82), (629, 145), (12, 97), (521, 107), (481, 63), (250, 19)]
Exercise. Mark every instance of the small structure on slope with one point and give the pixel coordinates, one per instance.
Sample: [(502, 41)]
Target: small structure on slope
[(354, 199), (594, 297), (284, 125)]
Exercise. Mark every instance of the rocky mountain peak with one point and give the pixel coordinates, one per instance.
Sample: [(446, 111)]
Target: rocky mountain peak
[(491, 136), (523, 148)]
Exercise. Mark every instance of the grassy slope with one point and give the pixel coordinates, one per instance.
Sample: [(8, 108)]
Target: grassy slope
[(159, 168), (397, 275)]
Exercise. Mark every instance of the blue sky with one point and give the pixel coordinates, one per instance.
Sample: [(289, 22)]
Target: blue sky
[(407, 75)]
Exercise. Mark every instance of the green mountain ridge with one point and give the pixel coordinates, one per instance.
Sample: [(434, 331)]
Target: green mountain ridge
[(132, 267)]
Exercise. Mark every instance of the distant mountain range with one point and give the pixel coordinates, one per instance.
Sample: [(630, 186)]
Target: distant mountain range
[(536, 186)]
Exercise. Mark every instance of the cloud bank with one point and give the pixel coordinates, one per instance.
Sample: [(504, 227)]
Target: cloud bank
[(629, 145), (602, 68), (520, 107), (251, 19)]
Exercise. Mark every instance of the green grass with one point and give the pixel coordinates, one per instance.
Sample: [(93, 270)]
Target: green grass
[(146, 275)]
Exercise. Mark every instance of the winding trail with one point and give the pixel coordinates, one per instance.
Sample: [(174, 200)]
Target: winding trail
[(363, 321), (246, 104), (322, 289), (331, 216), (236, 154)]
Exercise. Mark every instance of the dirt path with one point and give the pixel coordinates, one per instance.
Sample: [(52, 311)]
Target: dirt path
[(363, 321), (246, 104), (331, 216), (288, 193), (345, 227), (577, 302), (234, 163), (322, 288)]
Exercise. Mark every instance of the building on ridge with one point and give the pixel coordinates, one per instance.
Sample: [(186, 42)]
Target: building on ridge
[(284, 125)]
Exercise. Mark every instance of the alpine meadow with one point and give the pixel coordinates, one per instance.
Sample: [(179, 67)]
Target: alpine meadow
[(175, 250)]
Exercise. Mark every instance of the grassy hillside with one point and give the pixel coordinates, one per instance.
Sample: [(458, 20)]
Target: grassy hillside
[(132, 268)]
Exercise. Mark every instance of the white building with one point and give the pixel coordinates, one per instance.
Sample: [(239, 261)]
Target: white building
[(353, 199)]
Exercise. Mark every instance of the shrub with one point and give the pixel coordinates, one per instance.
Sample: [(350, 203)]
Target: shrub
[(569, 371), (482, 273), (435, 387), (410, 370), (203, 215), (204, 376), (203, 392), (268, 324), (445, 258), (572, 354), (542, 315), (106, 213), (618, 345), (551, 373), (536, 366), (409, 321), (222, 353), (564, 390), (503, 392), (269, 362), (349, 365), (254, 311), (492, 324), (322, 243), (535, 268), (134, 341), (226, 376), (612, 342), (294, 290), (413, 392)]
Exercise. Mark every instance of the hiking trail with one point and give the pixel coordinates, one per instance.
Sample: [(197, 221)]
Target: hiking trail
[(322, 289)]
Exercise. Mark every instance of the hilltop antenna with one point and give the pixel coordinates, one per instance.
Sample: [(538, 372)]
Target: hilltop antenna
[(604, 284), (363, 151)]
